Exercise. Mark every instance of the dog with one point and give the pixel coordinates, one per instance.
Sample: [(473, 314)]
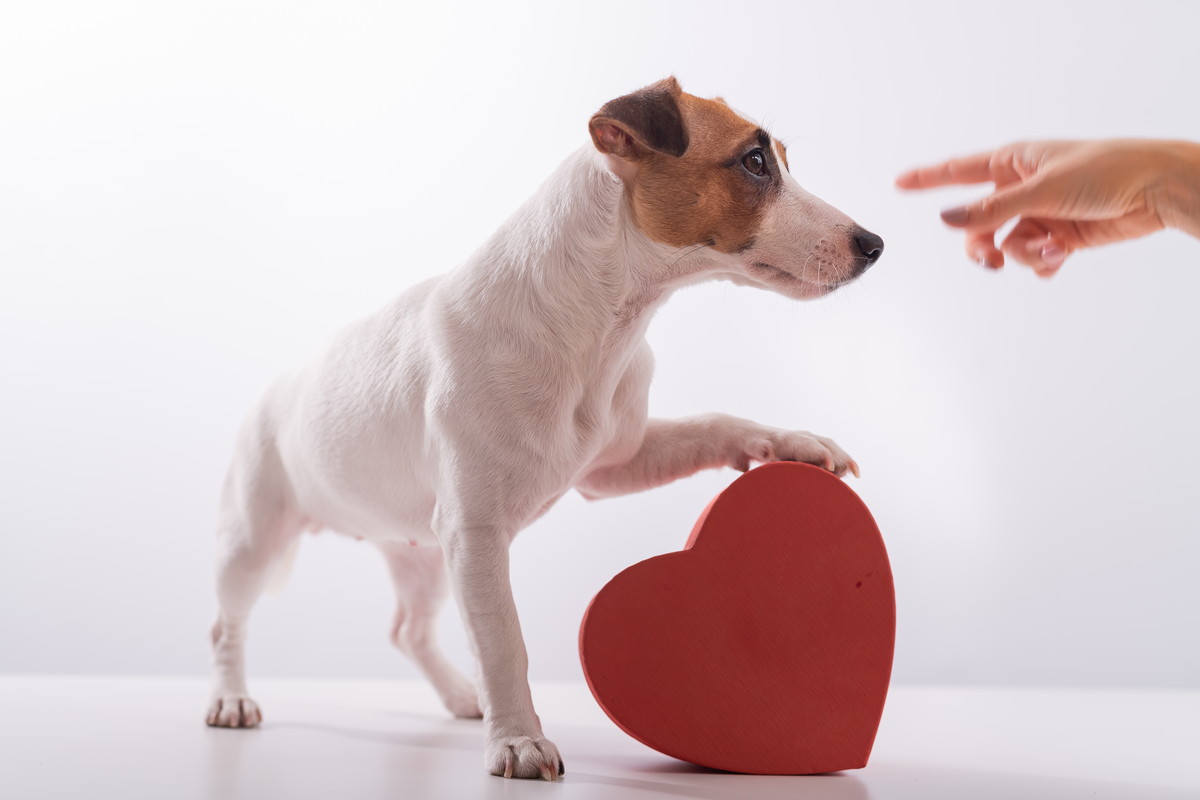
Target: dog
[(457, 415)]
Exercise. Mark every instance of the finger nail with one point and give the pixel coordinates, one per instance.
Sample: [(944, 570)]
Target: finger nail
[(984, 260), (955, 216), (1053, 255)]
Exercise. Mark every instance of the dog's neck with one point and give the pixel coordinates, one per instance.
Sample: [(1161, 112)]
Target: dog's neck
[(574, 251)]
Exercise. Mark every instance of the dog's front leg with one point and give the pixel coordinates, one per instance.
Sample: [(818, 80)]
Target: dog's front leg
[(673, 449), (477, 557)]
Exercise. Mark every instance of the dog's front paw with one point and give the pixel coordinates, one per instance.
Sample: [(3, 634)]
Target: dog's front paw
[(233, 711), (767, 445), (524, 757)]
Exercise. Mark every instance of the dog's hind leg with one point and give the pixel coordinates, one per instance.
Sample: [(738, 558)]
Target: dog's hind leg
[(257, 522), (421, 588)]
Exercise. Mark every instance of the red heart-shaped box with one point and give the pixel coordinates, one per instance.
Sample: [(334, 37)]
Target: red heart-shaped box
[(765, 645)]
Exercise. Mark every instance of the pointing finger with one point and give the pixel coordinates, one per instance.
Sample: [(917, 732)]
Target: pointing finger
[(971, 169)]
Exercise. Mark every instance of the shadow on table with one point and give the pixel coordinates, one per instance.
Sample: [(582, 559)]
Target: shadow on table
[(671, 778), (677, 779), (411, 760), (440, 734), (426, 757), (886, 781)]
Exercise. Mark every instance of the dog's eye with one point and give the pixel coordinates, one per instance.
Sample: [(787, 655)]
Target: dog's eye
[(754, 162)]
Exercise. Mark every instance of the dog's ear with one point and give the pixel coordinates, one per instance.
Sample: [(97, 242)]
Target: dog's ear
[(649, 120)]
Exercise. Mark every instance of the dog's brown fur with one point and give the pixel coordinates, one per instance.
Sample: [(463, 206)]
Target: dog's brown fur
[(697, 194)]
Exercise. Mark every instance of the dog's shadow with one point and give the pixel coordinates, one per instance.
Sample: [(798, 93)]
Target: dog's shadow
[(439, 734), (412, 760), (294, 757)]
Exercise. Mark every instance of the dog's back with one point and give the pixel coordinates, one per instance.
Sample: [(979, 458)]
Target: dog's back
[(349, 428)]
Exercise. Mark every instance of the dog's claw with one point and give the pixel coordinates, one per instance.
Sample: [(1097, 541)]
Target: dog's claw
[(562, 769), (233, 711), (529, 757)]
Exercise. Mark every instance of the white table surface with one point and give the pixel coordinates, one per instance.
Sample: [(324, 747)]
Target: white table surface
[(68, 737)]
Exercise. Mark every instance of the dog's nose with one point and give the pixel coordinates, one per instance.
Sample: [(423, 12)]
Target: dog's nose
[(868, 245)]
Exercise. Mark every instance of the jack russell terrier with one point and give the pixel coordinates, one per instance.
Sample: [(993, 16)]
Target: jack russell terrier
[(444, 424)]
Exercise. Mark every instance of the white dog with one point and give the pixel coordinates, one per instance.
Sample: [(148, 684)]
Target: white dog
[(444, 424)]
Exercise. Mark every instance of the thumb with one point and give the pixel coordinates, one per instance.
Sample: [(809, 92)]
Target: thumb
[(992, 211)]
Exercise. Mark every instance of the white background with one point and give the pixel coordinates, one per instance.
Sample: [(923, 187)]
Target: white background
[(194, 197)]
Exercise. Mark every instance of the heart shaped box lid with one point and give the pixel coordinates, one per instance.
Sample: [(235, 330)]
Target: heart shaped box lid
[(765, 645)]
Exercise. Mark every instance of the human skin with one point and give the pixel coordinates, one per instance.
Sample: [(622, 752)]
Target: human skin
[(1069, 195)]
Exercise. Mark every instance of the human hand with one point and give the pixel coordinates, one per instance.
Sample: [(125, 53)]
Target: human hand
[(1068, 195)]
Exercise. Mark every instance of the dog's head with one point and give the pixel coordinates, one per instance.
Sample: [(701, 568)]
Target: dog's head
[(697, 173)]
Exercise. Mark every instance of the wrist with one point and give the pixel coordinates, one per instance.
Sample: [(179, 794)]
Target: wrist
[(1176, 198)]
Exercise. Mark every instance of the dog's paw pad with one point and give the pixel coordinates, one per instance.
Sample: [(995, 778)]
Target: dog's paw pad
[(233, 711), (524, 757)]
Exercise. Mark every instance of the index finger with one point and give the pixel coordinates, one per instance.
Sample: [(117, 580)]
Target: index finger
[(969, 169)]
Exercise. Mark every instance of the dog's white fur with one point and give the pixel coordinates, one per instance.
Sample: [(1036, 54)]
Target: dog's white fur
[(441, 426)]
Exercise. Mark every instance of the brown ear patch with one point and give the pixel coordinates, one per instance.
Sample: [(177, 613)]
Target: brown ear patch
[(649, 117), (706, 196)]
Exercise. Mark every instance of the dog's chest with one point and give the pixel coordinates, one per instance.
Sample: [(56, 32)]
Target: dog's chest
[(610, 419)]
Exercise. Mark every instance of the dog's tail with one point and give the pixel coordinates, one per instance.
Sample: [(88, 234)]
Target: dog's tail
[(282, 570)]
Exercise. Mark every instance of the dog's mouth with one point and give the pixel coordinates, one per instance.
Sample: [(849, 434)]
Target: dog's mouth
[(783, 278)]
